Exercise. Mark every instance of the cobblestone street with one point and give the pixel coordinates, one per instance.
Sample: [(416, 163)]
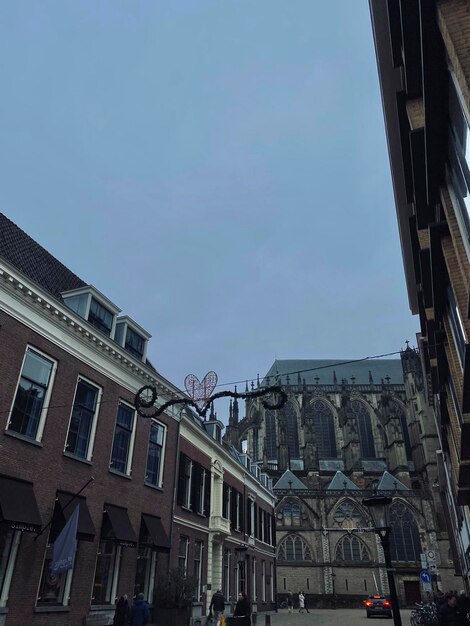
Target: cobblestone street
[(329, 617)]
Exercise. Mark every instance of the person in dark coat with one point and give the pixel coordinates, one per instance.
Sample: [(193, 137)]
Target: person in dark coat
[(121, 614), (140, 613), (449, 614), (218, 605), (243, 610)]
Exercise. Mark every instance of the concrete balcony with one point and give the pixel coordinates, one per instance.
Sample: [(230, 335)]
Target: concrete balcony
[(220, 525)]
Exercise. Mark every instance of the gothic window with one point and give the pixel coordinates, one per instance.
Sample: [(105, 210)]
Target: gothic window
[(405, 544), (324, 426), (291, 514), (351, 548), (292, 431), (348, 515), (396, 410), (364, 425), (293, 548), (271, 438)]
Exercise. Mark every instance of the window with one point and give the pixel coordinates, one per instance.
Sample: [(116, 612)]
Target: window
[(271, 435), (364, 425), (9, 542), (458, 330), (226, 493), (293, 548), (253, 579), (100, 317), (54, 589), (251, 518), (263, 581), (348, 515), (198, 546), (199, 478), (226, 574), (29, 409), (405, 544), (106, 572), (184, 481), (121, 456), (397, 411), (236, 511), (155, 454), (183, 555), (292, 431), (271, 581), (291, 514), (459, 149), (324, 428), (351, 549), (134, 343), (146, 565), (82, 423)]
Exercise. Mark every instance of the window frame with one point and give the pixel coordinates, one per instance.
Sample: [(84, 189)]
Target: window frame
[(5, 582), (115, 566), (47, 394), (94, 421), (159, 482), (183, 559), (130, 450), (68, 576), (197, 568)]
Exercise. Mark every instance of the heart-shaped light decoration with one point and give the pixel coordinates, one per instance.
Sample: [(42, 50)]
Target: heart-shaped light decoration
[(200, 391)]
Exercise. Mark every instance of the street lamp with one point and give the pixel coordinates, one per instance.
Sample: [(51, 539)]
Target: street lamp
[(378, 509)]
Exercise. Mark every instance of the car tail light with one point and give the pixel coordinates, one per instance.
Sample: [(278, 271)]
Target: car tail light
[(386, 603), (368, 603)]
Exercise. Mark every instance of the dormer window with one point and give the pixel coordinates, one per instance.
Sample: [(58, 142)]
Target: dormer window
[(131, 337), (93, 306)]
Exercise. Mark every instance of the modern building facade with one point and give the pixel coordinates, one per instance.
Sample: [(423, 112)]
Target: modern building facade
[(70, 436), (348, 431), (424, 72)]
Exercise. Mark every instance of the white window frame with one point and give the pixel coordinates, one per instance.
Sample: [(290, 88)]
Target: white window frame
[(263, 581), (271, 580), (199, 543), (91, 442), (162, 460), (228, 502), (130, 454), (68, 579), (237, 505), (115, 576), (226, 572), (187, 483), (186, 540), (15, 542), (252, 517), (253, 572), (47, 395)]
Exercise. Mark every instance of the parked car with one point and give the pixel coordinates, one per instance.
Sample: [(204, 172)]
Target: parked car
[(378, 605)]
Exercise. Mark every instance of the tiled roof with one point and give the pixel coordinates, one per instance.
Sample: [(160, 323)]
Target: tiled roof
[(325, 369), (32, 260), (289, 481)]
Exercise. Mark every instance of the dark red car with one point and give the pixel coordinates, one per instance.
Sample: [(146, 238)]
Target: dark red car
[(378, 605)]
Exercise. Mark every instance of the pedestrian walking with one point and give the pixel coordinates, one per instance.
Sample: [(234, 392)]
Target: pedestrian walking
[(218, 605), (290, 604), (243, 610), (301, 602), (140, 612), (121, 613)]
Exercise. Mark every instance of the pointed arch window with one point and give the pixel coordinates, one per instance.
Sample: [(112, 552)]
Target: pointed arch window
[(351, 548), (348, 515), (324, 427), (271, 435), (364, 425), (292, 431), (405, 543), (291, 514), (294, 548), (398, 411)]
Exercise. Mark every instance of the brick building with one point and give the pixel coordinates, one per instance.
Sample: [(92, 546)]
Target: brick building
[(347, 431), (423, 61), (224, 519)]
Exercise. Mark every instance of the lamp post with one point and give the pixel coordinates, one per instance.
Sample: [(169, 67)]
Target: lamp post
[(378, 509)]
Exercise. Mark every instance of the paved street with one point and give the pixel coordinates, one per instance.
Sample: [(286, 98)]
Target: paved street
[(329, 617)]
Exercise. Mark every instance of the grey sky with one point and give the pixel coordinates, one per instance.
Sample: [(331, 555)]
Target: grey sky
[(217, 168)]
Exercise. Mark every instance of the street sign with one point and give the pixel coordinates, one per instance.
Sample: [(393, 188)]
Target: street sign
[(427, 587), (431, 555), (424, 561), (432, 567), (425, 576)]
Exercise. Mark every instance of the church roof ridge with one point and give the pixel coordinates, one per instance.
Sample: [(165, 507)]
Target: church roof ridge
[(289, 481), (341, 481)]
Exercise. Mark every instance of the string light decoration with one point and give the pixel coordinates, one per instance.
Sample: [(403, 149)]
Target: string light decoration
[(146, 397)]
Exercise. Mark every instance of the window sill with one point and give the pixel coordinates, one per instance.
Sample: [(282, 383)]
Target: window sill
[(156, 487), (69, 455), (15, 435), (52, 609), (118, 473), (102, 607)]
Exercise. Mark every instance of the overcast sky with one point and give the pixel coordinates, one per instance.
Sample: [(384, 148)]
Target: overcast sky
[(217, 168)]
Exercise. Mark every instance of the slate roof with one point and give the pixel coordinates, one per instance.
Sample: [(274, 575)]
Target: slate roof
[(289, 481), (390, 483), (341, 481), (32, 260), (324, 368)]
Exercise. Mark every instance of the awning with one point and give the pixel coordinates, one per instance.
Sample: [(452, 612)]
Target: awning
[(18, 505), (156, 531), (117, 525), (67, 503)]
